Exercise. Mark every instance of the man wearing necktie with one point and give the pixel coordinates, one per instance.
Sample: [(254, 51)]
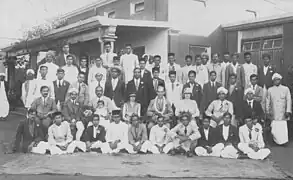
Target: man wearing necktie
[(251, 141), (61, 87), (83, 90), (184, 136), (157, 81)]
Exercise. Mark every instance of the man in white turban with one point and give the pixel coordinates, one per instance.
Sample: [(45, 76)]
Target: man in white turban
[(29, 89), (278, 107), (218, 107)]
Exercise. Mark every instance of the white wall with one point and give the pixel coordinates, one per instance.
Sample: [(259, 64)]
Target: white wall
[(154, 40), (192, 17)]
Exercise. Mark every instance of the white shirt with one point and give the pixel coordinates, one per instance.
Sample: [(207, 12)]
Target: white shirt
[(114, 83), (65, 57), (71, 73), (136, 82), (234, 67), (108, 58), (159, 135), (52, 70), (95, 129), (93, 71), (117, 132), (206, 133), (265, 69), (251, 103), (213, 84), (225, 132), (59, 135)]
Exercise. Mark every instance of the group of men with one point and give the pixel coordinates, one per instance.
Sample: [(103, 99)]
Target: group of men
[(64, 110)]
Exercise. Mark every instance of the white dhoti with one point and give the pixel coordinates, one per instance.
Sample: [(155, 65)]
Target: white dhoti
[(229, 152), (4, 105), (146, 146), (185, 145), (261, 154), (80, 129), (41, 148), (120, 146), (154, 149), (216, 150), (105, 148), (279, 131), (54, 150)]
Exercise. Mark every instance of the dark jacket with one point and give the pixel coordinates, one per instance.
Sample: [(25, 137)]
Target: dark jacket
[(61, 92), (142, 94), (266, 79), (101, 136), (153, 91), (196, 92), (209, 95), (118, 94), (24, 138), (255, 111), (233, 137), (236, 98), (72, 111), (212, 139)]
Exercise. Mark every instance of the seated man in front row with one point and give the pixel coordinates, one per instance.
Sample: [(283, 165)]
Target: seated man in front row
[(30, 135), (95, 136), (207, 144), (184, 135), (137, 135), (159, 106), (117, 135), (251, 141), (60, 138), (72, 111)]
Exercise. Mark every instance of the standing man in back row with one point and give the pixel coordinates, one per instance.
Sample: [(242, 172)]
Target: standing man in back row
[(249, 69), (108, 55), (129, 61)]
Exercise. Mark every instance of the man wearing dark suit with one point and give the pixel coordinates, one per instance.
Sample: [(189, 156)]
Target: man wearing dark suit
[(207, 144), (115, 87), (156, 82), (146, 75), (61, 87), (209, 92), (251, 107), (141, 88), (29, 134), (235, 95), (265, 72), (83, 90), (61, 59), (95, 136), (45, 107), (228, 136), (83, 67), (196, 88)]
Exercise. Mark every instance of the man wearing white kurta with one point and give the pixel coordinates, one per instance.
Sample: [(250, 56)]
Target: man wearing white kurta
[(97, 68), (128, 62), (117, 135), (251, 141), (202, 75), (160, 137), (43, 81), (52, 68), (278, 105), (29, 89), (71, 71), (173, 90), (4, 105), (249, 69), (108, 55), (60, 138), (185, 69)]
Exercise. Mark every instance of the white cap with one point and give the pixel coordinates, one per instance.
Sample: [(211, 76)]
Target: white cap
[(30, 71), (248, 90), (276, 76), (187, 91), (72, 90), (222, 90)]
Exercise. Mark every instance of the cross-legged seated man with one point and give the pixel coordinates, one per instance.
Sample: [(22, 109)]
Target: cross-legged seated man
[(95, 136), (117, 134), (160, 137), (185, 135), (72, 111), (207, 144), (228, 136), (60, 138), (30, 134), (251, 141), (137, 135)]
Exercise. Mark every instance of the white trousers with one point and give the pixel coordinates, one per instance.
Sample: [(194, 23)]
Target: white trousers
[(216, 150), (154, 149), (41, 148), (229, 152), (80, 129), (120, 146), (146, 146), (54, 150), (259, 155), (280, 132), (105, 148)]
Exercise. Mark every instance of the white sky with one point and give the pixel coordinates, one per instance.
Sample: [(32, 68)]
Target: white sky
[(16, 15)]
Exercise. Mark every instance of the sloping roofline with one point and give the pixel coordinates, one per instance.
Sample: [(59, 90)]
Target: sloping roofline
[(260, 22)]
